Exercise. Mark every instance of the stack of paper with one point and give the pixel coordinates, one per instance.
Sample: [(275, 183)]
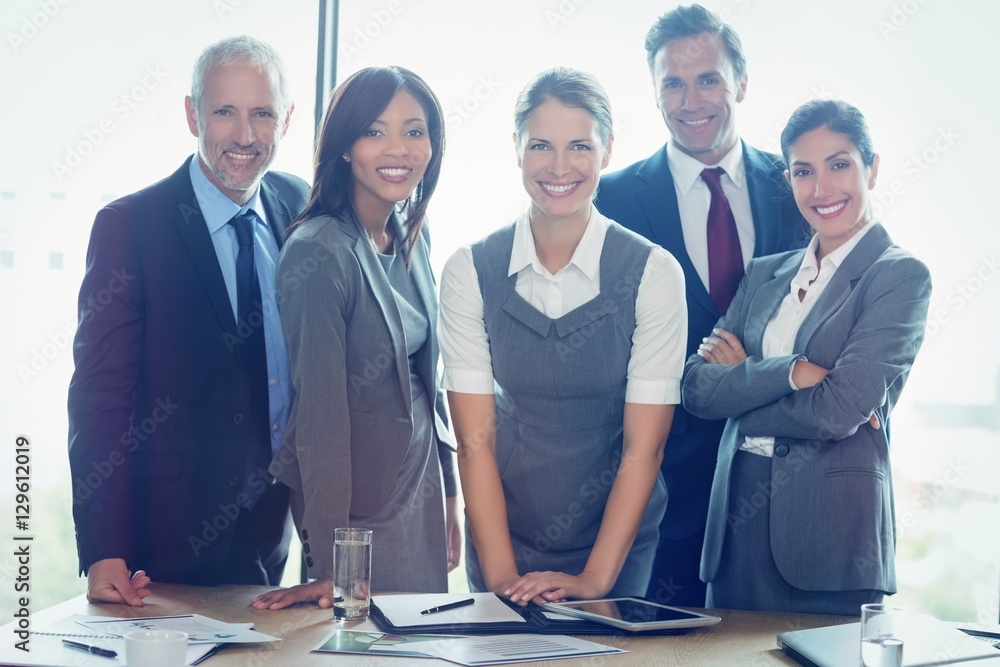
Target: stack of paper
[(493, 650), (414, 612), (47, 647)]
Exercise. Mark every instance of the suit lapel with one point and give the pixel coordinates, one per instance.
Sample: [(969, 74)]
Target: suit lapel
[(658, 198), (765, 301), (764, 206), (423, 279), (843, 281), (424, 282), (382, 291), (276, 211), (190, 224)]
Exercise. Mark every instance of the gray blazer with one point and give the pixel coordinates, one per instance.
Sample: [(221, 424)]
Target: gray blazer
[(351, 423), (832, 525)]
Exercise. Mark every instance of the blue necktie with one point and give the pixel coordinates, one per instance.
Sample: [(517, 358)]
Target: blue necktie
[(251, 348)]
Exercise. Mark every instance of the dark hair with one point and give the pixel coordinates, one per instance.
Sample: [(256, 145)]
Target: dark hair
[(691, 22), (356, 104), (838, 116), (572, 88)]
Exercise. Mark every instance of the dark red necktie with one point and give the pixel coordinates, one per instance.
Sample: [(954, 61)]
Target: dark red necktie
[(725, 258)]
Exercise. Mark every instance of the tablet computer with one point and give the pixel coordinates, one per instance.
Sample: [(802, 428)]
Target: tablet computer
[(634, 614)]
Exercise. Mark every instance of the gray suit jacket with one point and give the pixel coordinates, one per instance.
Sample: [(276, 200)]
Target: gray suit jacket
[(351, 423), (832, 525)]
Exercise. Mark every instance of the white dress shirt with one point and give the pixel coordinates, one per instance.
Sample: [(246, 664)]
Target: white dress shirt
[(780, 333), (694, 199), (658, 342)]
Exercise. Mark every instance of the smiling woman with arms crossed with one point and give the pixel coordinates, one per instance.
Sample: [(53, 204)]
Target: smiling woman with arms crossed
[(367, 438), (806, 366), (563, 340)]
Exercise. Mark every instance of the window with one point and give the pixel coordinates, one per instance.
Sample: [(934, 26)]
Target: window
[(99, 113)]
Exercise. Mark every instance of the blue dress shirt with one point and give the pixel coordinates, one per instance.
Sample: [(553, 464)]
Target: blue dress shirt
[(217, 209)]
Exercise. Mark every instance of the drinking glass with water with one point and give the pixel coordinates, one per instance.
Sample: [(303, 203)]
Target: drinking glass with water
[(352, 573)]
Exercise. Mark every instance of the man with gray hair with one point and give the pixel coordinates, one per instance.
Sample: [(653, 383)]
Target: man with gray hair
[(181, 390)]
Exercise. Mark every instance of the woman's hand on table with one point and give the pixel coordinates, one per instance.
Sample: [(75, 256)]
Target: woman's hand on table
[(542, 587), (320, 591)]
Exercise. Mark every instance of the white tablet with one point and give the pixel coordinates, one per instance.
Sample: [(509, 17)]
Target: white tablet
[(633, 614)]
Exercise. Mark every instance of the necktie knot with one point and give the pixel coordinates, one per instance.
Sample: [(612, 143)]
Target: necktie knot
[(243, 224), (713, 178)]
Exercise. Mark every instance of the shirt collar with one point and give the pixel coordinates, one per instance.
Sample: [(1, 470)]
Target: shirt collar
[(216, 207), (809, 268), (686, 170), (586, 257)]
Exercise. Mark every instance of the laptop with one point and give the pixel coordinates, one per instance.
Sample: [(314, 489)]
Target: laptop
[(926, 642)]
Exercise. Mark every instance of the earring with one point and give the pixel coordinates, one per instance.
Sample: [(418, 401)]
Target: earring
[(347, 158)]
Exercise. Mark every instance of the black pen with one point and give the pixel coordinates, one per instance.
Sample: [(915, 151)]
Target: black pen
[(446, 607), (96, 650)]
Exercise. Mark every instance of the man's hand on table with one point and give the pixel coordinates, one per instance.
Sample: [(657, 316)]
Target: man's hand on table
[(109, 580)]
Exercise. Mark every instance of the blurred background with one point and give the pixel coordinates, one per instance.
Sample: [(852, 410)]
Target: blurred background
[(93, 109)]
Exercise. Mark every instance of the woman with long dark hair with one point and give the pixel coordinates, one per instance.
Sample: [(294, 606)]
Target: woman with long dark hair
[(367, 439)]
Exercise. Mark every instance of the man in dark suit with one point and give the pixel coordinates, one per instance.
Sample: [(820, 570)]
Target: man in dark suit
[(181, 389), (699, 76)]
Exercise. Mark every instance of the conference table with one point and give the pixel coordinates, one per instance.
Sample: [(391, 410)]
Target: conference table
[(743, 638)]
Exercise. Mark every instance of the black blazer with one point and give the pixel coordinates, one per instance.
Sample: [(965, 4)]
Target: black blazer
[(642, 198), (158, 403)]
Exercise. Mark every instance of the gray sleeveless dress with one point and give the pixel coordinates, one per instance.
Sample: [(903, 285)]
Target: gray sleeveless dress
[(560, 397), (408, 533)]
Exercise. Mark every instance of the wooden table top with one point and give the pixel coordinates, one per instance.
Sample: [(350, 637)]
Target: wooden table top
[(742, 638)]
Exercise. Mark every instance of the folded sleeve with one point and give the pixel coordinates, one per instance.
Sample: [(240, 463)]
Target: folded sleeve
[(660, 337), (465, 345)]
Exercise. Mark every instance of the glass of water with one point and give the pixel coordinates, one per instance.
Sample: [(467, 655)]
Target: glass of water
[(352, 573), (881, 645)]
